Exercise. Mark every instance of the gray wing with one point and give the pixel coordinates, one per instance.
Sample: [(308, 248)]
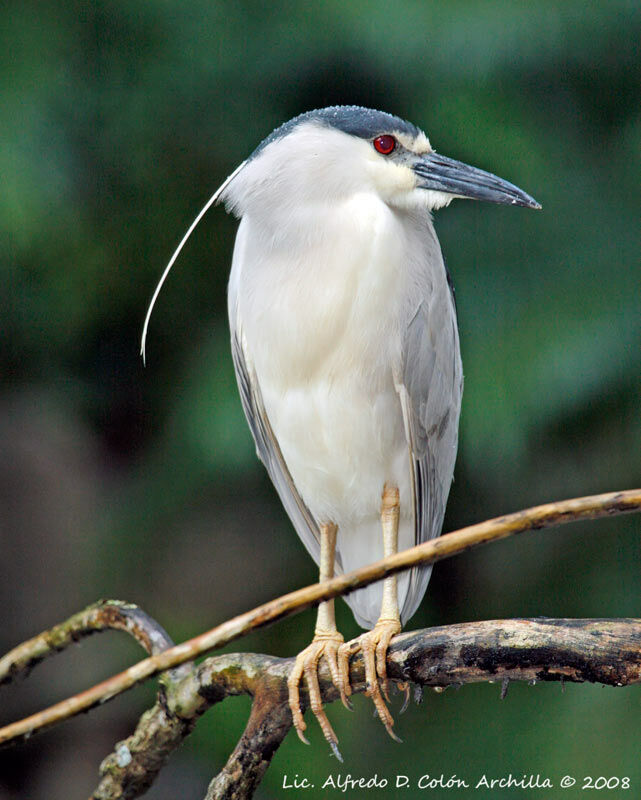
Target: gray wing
[(267, 447), (431, 386)]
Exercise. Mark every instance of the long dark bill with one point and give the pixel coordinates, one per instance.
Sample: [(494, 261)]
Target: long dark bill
[(443, 174)]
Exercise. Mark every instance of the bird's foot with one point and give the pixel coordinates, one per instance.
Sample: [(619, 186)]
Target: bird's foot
[(374, 645), (324, 644)]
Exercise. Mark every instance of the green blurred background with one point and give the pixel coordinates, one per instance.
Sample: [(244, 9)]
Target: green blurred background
[(118, 121)]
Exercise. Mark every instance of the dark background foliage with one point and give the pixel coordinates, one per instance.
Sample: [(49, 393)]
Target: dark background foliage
[(118, 121)]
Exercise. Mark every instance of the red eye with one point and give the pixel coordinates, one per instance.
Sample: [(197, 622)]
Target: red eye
[(385, 144)]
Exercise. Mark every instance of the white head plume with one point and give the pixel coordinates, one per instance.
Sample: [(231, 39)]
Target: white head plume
[(212, 200)]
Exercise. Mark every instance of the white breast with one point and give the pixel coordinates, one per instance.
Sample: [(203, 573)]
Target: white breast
[(320, 322)]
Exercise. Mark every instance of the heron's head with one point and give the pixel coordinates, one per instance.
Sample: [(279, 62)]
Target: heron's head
[(321, 159), (335, 153)]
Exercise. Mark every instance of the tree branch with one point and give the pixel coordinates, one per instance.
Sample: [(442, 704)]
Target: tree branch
[(448, 545), (101, 616), (157, 727), (597, 651), (135, 762)]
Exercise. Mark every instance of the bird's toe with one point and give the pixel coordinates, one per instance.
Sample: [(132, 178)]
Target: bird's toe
[(374, 646), (306, 665)]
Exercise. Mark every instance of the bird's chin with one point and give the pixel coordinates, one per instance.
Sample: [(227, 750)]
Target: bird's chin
[(421, 200)]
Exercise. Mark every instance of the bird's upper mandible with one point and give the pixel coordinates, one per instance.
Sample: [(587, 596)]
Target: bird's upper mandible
[(328, 155), (322, 157)]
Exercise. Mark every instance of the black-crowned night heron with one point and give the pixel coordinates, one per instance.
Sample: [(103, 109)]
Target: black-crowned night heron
[(346, 349)]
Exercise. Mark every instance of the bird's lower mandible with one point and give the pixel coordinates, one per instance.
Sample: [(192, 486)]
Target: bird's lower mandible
[(345, 344)]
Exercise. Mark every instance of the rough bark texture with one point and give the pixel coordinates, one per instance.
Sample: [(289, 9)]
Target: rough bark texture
[(594, 650), (544, 516), (603, 651), (268, 724), (100, 616), (135, 763)]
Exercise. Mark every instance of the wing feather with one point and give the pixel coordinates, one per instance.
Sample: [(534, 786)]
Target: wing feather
[(430, 390), (267, 447)]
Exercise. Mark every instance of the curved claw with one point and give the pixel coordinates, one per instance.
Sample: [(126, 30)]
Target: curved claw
[(374, 645), (336, 751), (306, 665), (405, 688)]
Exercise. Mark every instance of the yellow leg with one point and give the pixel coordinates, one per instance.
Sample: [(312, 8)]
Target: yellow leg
[(375, 643), (325, 643)]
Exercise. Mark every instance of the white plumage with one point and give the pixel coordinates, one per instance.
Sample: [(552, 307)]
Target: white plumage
[(346, 350), (321, 296)]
